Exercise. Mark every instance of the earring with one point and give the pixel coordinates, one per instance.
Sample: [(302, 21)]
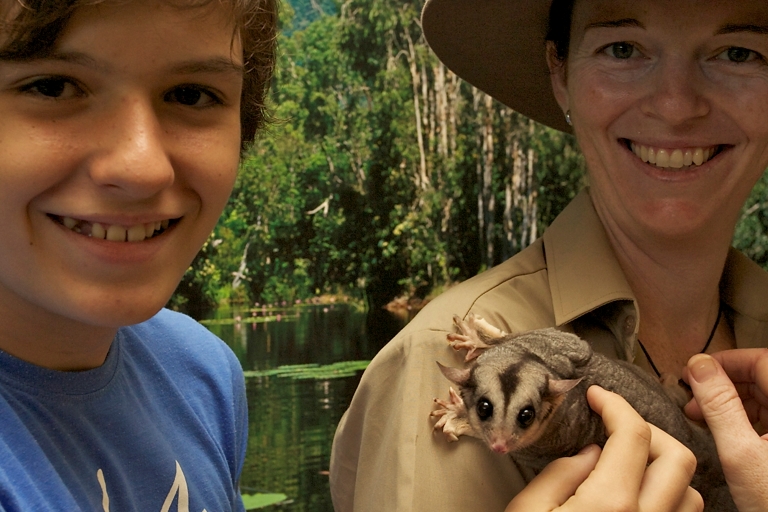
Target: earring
[(568, 117)]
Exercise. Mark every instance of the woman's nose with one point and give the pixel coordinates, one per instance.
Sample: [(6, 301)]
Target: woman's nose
[(132, 156), (676, 93)]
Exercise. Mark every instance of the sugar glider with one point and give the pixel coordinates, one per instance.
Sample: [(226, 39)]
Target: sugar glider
[(525, 394)]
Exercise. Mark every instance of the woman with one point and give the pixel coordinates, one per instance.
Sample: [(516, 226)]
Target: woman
[(669, 103)]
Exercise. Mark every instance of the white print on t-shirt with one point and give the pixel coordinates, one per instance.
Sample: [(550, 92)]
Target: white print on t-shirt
[(178, 488)]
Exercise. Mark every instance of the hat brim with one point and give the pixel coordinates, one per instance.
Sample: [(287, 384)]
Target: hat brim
[(499, 47)]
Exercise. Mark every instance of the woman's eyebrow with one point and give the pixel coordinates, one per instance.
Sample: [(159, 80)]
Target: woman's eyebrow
[(733, 28)]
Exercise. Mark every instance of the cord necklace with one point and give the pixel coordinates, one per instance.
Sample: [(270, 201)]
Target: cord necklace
[(706, 345)]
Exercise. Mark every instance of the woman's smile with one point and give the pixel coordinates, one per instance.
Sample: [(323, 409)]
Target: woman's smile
[(674, 158)]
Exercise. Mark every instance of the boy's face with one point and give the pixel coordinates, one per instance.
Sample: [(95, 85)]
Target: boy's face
[(132, 122)]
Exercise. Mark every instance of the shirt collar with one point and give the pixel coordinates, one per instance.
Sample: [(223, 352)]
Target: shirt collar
[(585, 275), (744, 287), (583, 271)]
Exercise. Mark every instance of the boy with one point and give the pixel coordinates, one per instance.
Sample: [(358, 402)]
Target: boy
[(121, 127)]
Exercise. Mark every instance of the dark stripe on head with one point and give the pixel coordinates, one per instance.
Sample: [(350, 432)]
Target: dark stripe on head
[(509, 381)]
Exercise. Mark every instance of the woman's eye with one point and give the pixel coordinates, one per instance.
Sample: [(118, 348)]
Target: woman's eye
[(55, 87), (739, 55), (621, 50), (191, 96)]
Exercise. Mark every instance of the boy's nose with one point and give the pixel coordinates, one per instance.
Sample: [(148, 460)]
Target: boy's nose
[(131, 156)]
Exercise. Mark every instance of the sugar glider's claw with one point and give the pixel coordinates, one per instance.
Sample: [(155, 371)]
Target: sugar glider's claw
[(452, 417), (473, 346), (474, 336), (480, 325)]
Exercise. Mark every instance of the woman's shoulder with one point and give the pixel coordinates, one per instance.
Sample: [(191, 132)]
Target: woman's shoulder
[(514, 296)]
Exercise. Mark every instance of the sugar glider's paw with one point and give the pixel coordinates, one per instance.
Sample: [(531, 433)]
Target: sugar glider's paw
[(676, 389), (474, 336), (452, 414)]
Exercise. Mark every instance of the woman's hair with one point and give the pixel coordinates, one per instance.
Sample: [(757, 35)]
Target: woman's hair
[(32, 28), (559, 29)]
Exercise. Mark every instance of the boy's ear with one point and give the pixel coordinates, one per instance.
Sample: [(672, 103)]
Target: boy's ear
[(558, 75)]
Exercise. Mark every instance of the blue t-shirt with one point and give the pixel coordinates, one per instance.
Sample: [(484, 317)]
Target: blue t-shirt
[(160, 426)]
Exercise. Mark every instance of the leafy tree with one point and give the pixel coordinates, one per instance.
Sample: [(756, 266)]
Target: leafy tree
[(386, 174)]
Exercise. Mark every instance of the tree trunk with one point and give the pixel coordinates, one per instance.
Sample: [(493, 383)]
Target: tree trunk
[(489, 198), (476, 95), (415, 82)]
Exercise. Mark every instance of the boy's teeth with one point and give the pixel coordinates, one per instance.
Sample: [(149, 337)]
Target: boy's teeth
[(98, 231), (115, 232), (675, 158)]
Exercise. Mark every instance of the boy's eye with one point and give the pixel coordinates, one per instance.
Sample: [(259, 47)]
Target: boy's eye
[(55, 87), (191, 96), (739, 55), (622, 50)]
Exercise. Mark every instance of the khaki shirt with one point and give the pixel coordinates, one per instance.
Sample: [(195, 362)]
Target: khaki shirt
[(386, 456)]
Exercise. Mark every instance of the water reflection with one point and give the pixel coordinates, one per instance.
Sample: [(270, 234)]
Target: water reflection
[(292, 421)]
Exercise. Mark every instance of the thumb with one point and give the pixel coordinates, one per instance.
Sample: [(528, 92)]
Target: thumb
[(717, 399)]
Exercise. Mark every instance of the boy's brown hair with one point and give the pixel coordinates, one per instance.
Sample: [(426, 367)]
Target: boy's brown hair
[(32, 27)]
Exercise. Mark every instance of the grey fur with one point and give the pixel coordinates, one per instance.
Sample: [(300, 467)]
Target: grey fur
[(549, 371)]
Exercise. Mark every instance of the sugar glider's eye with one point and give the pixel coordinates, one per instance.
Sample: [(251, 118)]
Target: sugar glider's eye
[(526, 416), (484, 409)]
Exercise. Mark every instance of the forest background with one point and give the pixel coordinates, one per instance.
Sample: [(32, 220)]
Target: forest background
[(385, 175)]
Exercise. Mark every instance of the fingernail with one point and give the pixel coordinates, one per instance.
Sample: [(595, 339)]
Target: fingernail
[(702, 367)]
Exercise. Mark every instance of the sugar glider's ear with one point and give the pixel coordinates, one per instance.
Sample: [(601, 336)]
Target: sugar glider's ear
[(560, 387), (458, 376)]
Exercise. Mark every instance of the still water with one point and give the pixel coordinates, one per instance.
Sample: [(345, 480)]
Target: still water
[(293, 411)]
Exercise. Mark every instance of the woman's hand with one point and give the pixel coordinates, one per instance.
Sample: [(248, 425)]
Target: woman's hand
[(730, 392), (640, 468)]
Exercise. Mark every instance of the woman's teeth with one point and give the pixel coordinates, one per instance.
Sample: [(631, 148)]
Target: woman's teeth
[(676, 158), (115, 232)]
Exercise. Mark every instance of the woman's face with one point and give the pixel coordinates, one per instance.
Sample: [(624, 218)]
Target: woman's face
[(669, 101)]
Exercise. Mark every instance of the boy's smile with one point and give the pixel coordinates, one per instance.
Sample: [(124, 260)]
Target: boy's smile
[(118, 152), (116, 232)]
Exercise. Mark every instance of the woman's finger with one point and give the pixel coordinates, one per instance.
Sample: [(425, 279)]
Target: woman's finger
[(655, 469), (626, 451), (692, 501), (556, 483), (668, 476), (718, 401), (741, 365), (743, 454)]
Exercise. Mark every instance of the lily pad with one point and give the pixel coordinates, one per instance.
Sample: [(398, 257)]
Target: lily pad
[(254, 501), (312, 371)]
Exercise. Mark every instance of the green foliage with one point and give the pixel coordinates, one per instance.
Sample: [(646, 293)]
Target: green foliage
[(349, 193), (751, 234)]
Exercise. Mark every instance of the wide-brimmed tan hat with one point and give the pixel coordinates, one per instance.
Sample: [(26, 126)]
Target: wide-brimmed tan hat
[(499, 47)]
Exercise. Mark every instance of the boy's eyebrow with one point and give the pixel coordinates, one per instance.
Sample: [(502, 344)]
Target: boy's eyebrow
[(77, 58), (625, 22), (733, 28), (212, 65), (217, 65)]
